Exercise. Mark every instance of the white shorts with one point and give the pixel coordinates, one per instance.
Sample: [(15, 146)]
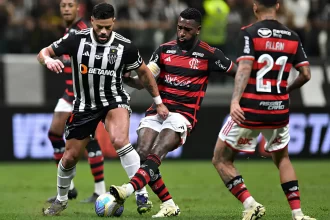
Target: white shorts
[(63, 106), (245, 139), (174, 121)]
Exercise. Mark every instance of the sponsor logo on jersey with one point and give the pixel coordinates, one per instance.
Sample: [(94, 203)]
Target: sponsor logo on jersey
[(219, 64), (171, 51), (246, 45), (279, 33), (198, 54), (176, 82), (89, 70), (264, 32), (277, 105)]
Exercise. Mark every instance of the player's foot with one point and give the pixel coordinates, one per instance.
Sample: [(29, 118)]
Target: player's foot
[(91, 199), (119, 192), (55, 208), (167, 210), (72, 194), (255, 212), (143, 204), (304, 217)]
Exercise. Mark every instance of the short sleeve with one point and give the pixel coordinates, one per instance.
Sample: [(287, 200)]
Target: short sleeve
[(220, 63), (155, 57), (64, 45), (132, 58), (300, 58), (245, 47)]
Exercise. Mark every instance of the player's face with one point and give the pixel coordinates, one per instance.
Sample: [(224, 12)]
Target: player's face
[(102, 29), (69, 10), (187, 31)]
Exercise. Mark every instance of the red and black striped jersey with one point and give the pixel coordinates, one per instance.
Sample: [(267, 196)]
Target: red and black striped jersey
[(274, 49), (183, 76), (68, 92)]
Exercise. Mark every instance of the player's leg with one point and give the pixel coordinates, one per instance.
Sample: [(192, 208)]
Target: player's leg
[(147, 133), (174, 131), (277, 143), (96, 162), (78, 129), (117, 124), (233, 139), (55, 134)]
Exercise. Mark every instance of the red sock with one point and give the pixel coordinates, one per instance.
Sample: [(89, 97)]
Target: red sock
[(291, 190), (97, 167), (146, 172), (159, 188), (237, 187), (58, 145)]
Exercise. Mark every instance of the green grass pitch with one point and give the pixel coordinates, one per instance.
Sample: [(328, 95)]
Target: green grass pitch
[(194, 185)]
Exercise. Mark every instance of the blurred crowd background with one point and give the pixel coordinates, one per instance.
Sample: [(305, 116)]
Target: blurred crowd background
[(29, 25)]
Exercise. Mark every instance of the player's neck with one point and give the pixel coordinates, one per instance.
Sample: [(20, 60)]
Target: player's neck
[(267, 16)]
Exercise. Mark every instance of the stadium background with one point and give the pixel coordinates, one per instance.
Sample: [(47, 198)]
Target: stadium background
[(29, 93)]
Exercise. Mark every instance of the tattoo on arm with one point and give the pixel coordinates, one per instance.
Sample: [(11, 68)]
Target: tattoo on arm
[(148, 81), (241, 79)]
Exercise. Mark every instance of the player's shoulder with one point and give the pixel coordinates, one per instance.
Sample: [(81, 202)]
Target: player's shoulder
[(80, 25), (269, 28), (120, 38), (205, 47), (83, 32)]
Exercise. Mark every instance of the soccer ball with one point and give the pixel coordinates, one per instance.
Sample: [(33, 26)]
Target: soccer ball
[(106, 206)]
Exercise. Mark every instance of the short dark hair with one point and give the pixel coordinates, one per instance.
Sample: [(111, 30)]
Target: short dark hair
[(192, 14), (103, 11), (268, 3)]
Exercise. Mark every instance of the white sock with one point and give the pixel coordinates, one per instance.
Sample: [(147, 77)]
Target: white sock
[(170, 202), (142, 191), (249, 202), (99, 188), (129, 189), (64, 177), (71, 185), (130, 160), (297, 212)]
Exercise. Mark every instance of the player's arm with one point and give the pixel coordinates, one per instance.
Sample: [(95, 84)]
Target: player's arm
[(245, 63), (62, 46), (303, 77), (153, 66), (220, 63), (135, 62), (302, 65)]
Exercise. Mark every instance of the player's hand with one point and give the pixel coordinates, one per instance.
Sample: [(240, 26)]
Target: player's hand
[(162, 111), (126, 77), (54, 65), (236, 113)]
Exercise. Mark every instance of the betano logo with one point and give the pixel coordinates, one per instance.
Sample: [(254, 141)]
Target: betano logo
[(89, 70)]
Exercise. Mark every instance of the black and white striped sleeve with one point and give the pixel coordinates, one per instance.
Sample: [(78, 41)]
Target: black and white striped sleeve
[(132, 58)]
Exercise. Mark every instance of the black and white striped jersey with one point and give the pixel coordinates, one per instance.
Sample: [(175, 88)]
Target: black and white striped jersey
[(97, 68)]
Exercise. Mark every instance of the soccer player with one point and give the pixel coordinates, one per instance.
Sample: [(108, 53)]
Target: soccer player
[(260, 104), (69, 11), (98, 56), (182, 68)]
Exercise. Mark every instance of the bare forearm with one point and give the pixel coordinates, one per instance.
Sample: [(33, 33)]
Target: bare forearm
[(149, 83), (241, 80), (297, 83), (133, 82), (43, 55)]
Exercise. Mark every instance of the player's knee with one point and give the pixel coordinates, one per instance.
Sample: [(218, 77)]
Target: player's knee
[(143, 152), (119, 142), (70, 159)]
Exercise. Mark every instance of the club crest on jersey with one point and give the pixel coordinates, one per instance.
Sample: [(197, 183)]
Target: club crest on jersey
[(194, 63), (264, 32), (112, 56)]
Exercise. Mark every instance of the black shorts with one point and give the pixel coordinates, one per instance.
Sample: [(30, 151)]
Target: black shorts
[(81, 125)]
